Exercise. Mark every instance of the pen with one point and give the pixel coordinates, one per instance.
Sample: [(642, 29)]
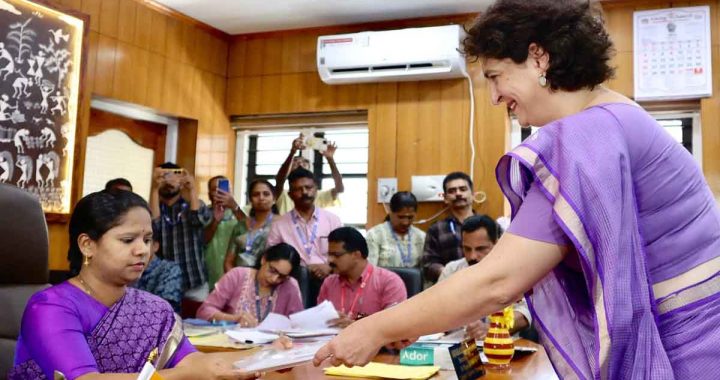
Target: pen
[(248, 341)]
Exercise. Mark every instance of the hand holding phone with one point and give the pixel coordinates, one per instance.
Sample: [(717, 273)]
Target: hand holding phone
[(316, 143)]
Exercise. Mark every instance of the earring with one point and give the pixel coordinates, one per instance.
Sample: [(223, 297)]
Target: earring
[(542, 80), (86, 261)]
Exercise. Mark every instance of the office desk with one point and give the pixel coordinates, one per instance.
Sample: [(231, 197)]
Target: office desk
[(533, 366)]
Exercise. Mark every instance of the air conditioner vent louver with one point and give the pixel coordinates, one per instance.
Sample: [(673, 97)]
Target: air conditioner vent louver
[(395, 55)]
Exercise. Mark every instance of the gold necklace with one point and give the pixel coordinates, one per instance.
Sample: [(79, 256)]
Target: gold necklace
[(89, 290)]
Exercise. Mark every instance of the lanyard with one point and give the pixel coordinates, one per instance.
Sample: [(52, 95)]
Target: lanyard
[(268, 304), (250, 237), (307, 243), (453, 230), (405, 258), (357, 295), (165, 210)]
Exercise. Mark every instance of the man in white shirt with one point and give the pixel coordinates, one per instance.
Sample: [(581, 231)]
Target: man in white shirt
[(479, 235)]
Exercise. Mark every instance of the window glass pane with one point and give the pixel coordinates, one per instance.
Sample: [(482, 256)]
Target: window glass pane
[(276, 140), (268, 157), (356, 138), (676, 132), (353, 202), (347, 168), (267, 169)]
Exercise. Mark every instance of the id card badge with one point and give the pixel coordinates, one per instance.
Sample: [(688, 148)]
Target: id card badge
[(466, 360)]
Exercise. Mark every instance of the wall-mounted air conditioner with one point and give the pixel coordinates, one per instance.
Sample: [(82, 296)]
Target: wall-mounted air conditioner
[(394, 55)]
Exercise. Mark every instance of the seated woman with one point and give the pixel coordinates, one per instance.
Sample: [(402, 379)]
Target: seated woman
[(396, 242), (94, 326), (247, 296), (249, 237)]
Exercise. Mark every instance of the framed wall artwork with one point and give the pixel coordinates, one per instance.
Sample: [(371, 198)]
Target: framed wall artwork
[(41, 50)]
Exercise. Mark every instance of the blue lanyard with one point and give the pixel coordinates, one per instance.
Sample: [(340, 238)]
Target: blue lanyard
[(307, 243), (250, 237), (268, 304), (406, 259), (164, 210)]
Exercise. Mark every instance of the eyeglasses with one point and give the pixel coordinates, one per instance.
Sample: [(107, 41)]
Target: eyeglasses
[(337, 255), (274, 272)]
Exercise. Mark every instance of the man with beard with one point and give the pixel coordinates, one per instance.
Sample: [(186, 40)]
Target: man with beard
[(180, 216), (442, 242), (479, 235), (306, 227), (357, 288)]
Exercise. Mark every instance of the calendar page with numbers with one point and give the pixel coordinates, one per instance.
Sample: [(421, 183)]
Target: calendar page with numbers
[(672, 53)]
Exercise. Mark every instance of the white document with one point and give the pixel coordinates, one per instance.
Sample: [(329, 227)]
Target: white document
[(251, 336), (315, 318), (272, 359), (275, 322)]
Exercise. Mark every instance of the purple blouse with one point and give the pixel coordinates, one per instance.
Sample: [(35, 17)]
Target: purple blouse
[(54, 328), (235, 292)]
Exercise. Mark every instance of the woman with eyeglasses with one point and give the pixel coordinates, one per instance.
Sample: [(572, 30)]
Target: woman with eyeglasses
[(248, 295)]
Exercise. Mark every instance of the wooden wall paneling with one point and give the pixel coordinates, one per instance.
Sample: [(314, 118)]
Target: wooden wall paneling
[(172, 41), (623, 80), (143, 27), (236, 58), (327, 96), (139, 82), (270, 94), (109, 11), (291, 92), (186, 147), (92, 9), (408, 108), (383, 142), (93, 48), (619, 22), (308, 57), (290, 62), (252, 92), (222, 56), (452, 113), (124, 71), (170, 93), (72, 4), (254, 58), (235, 94), (59, 243), (127, 15), (430, 128), (156, 80), (187, 49), (272, 56), (105, 66), (158, 32), (310, 84)]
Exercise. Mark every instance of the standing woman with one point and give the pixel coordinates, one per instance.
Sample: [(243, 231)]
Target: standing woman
[(396, 242), (249, 238), (80, 329), (247, 295), (614, 227)]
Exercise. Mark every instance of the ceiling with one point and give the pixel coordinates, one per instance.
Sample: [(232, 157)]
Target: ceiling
[(252, 16)]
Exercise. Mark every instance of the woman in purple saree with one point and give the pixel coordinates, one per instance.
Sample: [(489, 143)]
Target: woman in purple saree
[(94, 325), (615, 237)]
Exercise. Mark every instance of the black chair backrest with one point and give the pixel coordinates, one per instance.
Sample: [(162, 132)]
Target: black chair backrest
[(412, 277), (24, 270), (309, 287)]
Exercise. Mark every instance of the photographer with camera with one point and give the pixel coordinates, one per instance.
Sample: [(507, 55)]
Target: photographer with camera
[(179, 216), (324, 198)]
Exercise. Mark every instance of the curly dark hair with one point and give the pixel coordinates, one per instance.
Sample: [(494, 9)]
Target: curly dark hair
[(570, 31)]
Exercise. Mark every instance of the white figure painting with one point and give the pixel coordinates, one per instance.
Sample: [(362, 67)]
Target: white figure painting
[(7, 65), (48, 137), (5, 6), (60, 103), (25, 164), (6, 166), (5, 107), (58, 35), (51, 161), (39, 62), (38, 166), (20, 87), (46, 88), (65, 132), (18, 139)]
